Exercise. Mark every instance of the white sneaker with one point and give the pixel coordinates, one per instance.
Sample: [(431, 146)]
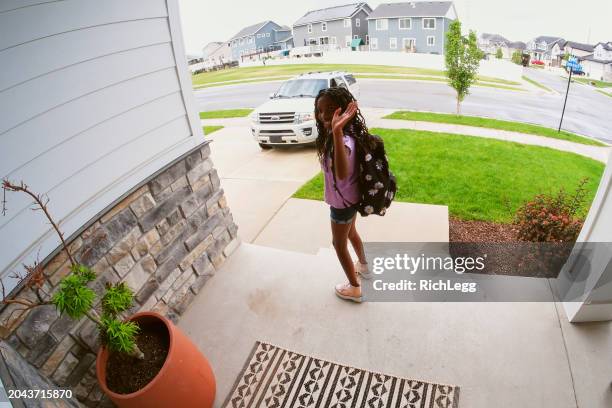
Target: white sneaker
[(362, 270), (347, 291)]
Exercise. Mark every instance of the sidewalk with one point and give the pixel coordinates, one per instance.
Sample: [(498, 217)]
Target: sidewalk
[(374, 118)]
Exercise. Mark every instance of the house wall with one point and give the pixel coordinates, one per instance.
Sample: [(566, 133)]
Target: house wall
[(362, 30), (593, 69), (335, 28), (97, 112), (265, 39), (416, 32)]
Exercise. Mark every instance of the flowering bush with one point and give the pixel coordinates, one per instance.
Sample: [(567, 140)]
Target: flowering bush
[(551, 218), (537, 62)]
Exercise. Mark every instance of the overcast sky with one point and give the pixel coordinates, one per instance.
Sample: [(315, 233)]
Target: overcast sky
[(518, 20)]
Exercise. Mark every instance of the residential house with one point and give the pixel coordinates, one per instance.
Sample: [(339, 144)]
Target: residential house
[(543, 48), (578, 50), (411, 26), (599, 64), (490, 43), (258, 38), (216, 54), (335, 27), (195, 64)]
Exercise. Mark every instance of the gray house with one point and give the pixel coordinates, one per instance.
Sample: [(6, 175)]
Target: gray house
[(416, 26), (334, 26), (261, 37)]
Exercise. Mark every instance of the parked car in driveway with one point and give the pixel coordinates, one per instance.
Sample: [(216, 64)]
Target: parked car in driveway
[(288, 117)]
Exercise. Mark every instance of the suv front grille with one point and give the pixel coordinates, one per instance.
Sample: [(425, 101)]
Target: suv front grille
[(277, 117)]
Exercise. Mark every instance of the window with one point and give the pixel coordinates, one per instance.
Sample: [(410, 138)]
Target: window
[(258, 35), (242, 41), (312, 41), (382, 24), (357, 22), (323, 40), (309, 28), (347, 22), (429, 23), (373, 43), (347, 40), (408, 43), (267, 34), (405, 23), (367, 39), (355, 37), (350, 79), (393, 43), (431, 40), (324, 26)]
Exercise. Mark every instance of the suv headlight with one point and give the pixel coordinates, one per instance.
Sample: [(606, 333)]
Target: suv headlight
[(254, 116), (304, 117)]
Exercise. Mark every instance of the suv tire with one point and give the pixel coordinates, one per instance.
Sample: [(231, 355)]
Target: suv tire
[(265, 146)]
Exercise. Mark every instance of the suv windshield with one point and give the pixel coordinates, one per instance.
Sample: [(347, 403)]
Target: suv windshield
[(301, 87)]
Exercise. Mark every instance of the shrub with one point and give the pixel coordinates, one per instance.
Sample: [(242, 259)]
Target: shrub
[(517, 57), (551, 218)]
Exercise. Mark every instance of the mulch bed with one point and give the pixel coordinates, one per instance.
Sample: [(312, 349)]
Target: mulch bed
[(480, 231), (476, 238)]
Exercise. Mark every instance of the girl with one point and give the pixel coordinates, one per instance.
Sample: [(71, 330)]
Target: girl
[(341, 128)]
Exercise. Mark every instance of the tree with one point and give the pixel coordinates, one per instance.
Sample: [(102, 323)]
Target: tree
[(462, 58), (499, 54), (517, 57)]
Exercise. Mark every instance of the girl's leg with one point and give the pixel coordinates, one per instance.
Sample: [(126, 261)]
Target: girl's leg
[(340, 234), (356, 242)]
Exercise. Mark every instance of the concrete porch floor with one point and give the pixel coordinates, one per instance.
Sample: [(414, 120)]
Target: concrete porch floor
[(500, 354)]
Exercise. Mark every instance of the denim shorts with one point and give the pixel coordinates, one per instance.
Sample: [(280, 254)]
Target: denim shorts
[(342, 215)]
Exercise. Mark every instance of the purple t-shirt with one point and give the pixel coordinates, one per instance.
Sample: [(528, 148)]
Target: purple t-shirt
[(349, 187)]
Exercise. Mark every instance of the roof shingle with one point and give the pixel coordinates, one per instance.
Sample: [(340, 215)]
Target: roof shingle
[(330, 13), (412, 9)]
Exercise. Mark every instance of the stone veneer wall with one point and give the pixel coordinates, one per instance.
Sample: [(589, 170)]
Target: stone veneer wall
[(165, 239)]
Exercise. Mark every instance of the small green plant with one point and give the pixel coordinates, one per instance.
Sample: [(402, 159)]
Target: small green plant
[(75, 298), (499, 54), (552, 218), (517, 57)]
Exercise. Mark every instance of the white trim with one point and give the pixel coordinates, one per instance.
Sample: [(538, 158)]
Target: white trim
[(309, 28), (324, 26), (399, 27), (408, 38), (347, 23), (434, 40), (428, 18), (393, 43)]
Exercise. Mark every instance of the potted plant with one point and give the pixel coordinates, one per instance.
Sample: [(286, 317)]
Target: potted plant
[(143, 361)]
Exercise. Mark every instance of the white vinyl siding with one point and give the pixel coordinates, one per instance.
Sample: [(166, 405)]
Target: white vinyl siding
[(431, 41), (357, 22), (429, 24), (374, 43), (382, 24), (95, 94), (333, 40), (393, 43), (405, 23)]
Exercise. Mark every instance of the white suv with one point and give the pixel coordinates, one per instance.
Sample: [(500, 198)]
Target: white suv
[(288, 117)]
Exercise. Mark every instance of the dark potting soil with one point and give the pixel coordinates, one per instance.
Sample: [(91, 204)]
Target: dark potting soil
[(126, 374)]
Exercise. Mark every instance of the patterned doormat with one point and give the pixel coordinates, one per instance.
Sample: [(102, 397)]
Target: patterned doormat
[(274, 377)]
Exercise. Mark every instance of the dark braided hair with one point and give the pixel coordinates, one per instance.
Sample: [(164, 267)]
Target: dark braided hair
[(356, 127)]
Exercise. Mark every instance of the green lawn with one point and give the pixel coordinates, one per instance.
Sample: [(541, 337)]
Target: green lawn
[(210, 129), (475, 177), (227, 113), (536, 83), (604, 92), (493, 124), (255, 74), (596, 83)]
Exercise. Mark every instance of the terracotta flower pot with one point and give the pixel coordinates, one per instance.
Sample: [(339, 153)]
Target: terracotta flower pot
[(185, 379)]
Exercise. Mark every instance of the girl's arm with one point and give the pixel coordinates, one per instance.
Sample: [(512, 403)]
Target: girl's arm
[(339, 121)]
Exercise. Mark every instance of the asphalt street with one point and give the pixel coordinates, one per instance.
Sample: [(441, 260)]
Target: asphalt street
[(588, 112)]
